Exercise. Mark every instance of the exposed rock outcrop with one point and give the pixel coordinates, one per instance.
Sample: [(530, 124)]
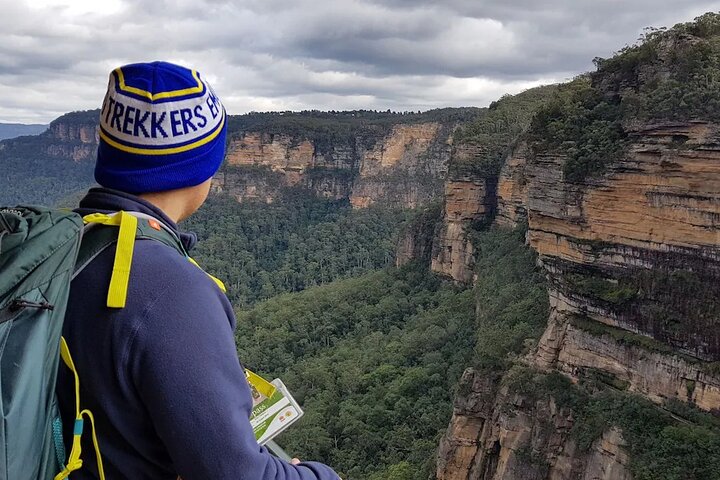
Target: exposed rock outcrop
[(416, 241), (453, 250), (575, 346), (639, 247), (496, 434), (65, 131), (404, 168), (633, 263), (468, 199), (73, 136), (512, 189)]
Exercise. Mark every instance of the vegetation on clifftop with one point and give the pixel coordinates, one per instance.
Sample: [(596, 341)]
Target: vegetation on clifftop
[(676, 442), (337, 128), (669, 75), (496, 132)]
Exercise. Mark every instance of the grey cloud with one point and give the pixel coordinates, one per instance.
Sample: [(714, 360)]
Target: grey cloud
[(296, 54)]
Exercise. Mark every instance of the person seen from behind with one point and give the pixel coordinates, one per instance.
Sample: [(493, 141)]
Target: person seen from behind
[(161, 375)]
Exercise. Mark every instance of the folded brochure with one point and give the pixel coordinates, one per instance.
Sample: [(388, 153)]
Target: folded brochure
[(274, 409)]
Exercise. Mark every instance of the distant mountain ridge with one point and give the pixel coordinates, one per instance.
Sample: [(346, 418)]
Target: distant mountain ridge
[(397, 159), (13, 130)]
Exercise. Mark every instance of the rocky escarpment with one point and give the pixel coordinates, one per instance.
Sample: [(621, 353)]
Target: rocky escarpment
[(416, 241), (639, 247), (467, 199), (474, 178), (621, 196), (512, 189), (496, 433), (476, 198), (633, 264), (403, 167), (73, 136)]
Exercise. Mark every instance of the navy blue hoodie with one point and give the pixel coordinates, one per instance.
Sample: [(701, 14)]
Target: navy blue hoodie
[(162, 375)]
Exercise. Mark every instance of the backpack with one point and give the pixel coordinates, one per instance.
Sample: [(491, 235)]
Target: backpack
[(41, 250), (38, 250)]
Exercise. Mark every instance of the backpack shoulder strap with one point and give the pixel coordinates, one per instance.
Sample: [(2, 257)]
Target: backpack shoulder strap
[(132, 225), (150, 228), (95, 239)]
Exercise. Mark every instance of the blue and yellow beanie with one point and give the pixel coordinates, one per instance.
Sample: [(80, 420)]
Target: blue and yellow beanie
[(161, 127)]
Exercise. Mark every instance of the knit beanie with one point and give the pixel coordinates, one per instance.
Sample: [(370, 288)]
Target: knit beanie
[(161, 128)]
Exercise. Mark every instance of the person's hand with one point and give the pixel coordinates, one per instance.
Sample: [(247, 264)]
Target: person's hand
[(294, 461)]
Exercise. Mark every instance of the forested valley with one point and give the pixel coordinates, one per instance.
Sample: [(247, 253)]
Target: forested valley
[(374, 359)]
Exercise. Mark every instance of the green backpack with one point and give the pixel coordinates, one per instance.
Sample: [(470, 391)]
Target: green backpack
[(40, 253), (38, 250)]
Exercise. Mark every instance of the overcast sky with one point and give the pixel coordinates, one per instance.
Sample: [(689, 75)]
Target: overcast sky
[(55, 55)]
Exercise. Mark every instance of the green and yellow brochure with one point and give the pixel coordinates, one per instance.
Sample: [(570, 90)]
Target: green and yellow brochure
[(271, 415)]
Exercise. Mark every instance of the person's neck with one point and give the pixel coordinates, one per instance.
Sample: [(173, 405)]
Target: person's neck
[(175, 208)]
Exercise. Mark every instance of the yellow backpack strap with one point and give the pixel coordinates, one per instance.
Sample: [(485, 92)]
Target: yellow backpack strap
[(151, 227), (261, 385), (74, 461), (117, 292), (217, 281)]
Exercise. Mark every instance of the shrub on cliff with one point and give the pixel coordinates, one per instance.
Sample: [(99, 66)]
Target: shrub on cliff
[(497, 131), (584, 124), (669, 75)]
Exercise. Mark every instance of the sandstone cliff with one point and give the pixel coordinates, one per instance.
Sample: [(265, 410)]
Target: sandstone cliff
[(496, 433), (479, 182), (467, 199), (73, 136), (402, 167), (630, 245), (633, 264)]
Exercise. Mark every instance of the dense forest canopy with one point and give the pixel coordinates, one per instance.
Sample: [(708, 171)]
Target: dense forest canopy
[(298, 241), (375, 360)]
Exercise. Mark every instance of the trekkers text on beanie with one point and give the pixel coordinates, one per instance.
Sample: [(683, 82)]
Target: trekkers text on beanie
[(161, 127)]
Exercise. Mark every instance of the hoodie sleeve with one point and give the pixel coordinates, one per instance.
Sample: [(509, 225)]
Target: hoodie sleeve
[(185, 368)]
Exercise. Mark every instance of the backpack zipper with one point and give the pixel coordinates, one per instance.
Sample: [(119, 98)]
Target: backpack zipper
[(19, 303)]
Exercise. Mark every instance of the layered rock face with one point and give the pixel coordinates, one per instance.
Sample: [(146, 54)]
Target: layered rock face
[(512, 189), (471, 199), (496, 434), (83, 133), (416, 241), (404, 168), (468, 199), (639, 247), (73, 136), (633, 264)]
